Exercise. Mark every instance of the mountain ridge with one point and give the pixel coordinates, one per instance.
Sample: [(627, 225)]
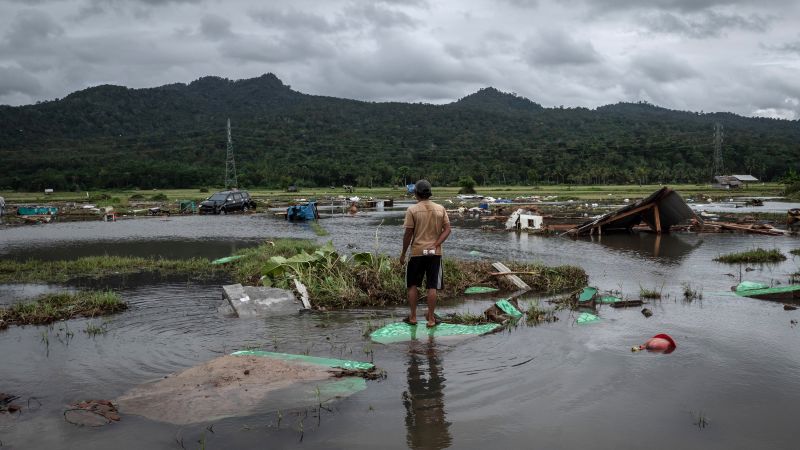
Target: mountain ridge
[(174, 136)]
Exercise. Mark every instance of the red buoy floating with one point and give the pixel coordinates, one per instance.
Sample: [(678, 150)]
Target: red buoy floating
[(660, 343)]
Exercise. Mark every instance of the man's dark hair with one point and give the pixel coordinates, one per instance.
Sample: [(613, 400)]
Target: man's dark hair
[(423, 189)]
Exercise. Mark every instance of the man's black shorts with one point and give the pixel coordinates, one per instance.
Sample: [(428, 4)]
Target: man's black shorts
[(430, 267)]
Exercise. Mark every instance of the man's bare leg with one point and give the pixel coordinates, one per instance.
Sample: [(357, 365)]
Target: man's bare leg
[(413, 295), (431, 298)]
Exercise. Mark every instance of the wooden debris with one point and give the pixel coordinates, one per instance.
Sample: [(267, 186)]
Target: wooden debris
[(503, 269), (626, 303)]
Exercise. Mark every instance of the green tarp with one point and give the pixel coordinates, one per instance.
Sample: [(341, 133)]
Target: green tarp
[(587, 294), (401, 331), (227, 259), (508, 308), (330, 362), (479, 290), (751, 288), (587, 318)]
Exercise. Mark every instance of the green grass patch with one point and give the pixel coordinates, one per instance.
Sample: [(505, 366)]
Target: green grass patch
[(99, 267), (52, 307), (365, 279), (690, 293), (535, 315), (795, 251), (649, 293), (758, 255), (466, 318), (92, 329)]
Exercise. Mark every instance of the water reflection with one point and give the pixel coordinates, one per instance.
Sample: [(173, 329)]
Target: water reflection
[(667, 248), (426, 425)]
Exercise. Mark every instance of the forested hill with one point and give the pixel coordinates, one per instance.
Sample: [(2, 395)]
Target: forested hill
[(174, 136)]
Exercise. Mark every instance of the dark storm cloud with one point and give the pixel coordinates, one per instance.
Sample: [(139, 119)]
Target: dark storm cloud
[(291, 19), (164, 2), (662, 67), (399, 60), (523, 3), (556, 48), (15, 80), (287, 47), (215, 27), (788, 47), (679, 5), (31, 27), (705, 24), (378, 15)]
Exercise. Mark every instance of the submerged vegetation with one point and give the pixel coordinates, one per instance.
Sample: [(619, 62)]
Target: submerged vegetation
[(466, 318), (52, 307), (795, 251), (690, 293), (99, 267), (758, 255), (649, 293)]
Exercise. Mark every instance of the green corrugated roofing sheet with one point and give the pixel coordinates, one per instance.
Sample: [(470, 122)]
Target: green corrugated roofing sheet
[(330, 362), (401, 331)]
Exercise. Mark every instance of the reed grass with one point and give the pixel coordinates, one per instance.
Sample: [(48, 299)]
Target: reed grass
[(466, 318), (649, 293), (758, 255), (49, 308)]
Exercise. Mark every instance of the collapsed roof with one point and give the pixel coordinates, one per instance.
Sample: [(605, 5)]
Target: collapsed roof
[(659, 211)]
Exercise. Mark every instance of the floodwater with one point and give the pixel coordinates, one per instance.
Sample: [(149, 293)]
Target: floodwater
[(731, 383)]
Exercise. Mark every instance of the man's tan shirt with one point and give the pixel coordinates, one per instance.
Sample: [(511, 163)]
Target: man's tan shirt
[(427, 219)]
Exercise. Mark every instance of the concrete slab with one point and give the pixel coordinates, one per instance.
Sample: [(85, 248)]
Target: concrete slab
[(251, 301)]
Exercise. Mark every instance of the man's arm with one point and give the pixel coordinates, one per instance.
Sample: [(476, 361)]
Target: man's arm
[(443, 236), (407, 237)]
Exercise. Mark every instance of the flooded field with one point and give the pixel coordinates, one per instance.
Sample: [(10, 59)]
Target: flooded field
[(731, 383)]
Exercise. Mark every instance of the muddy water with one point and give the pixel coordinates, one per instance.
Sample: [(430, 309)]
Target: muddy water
[(558, 385)]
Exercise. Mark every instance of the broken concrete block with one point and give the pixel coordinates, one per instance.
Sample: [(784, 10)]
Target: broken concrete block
[(252, 301)]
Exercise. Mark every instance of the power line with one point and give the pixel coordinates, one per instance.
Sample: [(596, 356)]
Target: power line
[(717, 168), (230, 163)]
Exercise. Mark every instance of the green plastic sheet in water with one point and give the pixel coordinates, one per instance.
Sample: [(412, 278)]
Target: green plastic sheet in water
[(227, 259), (587, 318), (401, 331), (479, 290), (508, 308), (751, 288), (330, 362), (587, 294)]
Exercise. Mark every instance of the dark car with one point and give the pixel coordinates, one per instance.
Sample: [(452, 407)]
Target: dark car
[(227, 201)]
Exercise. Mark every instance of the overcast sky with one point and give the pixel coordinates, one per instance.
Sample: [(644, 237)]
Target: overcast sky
[(701, 55)]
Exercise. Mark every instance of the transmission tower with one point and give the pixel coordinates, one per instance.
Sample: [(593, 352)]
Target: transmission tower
[(230, 163), (718, 168)]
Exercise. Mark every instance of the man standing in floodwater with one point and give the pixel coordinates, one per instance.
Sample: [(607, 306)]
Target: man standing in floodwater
[(426, 228)]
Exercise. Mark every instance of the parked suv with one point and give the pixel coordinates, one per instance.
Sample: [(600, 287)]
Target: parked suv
[(227, 201)]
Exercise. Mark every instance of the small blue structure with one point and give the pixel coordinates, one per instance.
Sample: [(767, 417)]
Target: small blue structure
[(411, 188), (302, 212)]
